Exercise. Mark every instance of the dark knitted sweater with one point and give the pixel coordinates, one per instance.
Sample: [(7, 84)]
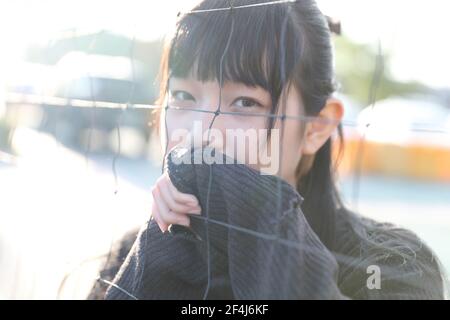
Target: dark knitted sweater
[(259, 245)]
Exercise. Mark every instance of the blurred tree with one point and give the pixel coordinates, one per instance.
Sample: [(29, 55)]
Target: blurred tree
[(355, 69)]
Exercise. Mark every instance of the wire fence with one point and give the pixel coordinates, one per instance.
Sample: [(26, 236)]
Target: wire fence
[(13, 99)]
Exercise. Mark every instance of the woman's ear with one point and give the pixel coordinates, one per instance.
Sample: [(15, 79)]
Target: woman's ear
[(318, 131)]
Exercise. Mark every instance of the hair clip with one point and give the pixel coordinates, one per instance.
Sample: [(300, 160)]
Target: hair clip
[(334, 25)]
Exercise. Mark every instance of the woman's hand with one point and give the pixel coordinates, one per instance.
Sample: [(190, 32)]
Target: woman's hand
[(171, 206)]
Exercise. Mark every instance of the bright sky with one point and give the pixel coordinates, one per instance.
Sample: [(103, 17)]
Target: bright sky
[(413, 31)]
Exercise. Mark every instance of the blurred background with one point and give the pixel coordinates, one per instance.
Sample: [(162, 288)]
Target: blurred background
[(78, 156)]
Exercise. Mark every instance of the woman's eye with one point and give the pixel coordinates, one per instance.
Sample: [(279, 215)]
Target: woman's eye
[(182, 96), (246, 103)]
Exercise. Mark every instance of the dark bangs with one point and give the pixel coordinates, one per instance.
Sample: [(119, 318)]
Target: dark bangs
[(263, 49)]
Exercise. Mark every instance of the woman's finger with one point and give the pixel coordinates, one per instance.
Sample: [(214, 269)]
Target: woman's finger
[(180, 196), (168, 216), (156, 216), (173, 205)]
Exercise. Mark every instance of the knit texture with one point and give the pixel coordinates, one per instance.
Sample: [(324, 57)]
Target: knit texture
[(256, 245)]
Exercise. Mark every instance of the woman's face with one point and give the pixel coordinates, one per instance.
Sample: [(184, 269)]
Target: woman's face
[(241, 136)]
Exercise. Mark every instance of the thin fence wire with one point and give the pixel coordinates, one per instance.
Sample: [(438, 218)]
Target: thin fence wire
[(378, 71), (38, 100)]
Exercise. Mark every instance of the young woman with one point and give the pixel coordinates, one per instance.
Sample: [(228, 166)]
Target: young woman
[(246, 235)]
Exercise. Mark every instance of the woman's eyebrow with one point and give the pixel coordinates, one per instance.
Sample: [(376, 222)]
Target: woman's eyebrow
[(179, 82), (246, 85), (260, 91), (184, 81), (176, 79)]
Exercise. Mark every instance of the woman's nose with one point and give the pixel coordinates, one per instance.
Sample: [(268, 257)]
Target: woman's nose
[(204, 120), (207, 109)]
